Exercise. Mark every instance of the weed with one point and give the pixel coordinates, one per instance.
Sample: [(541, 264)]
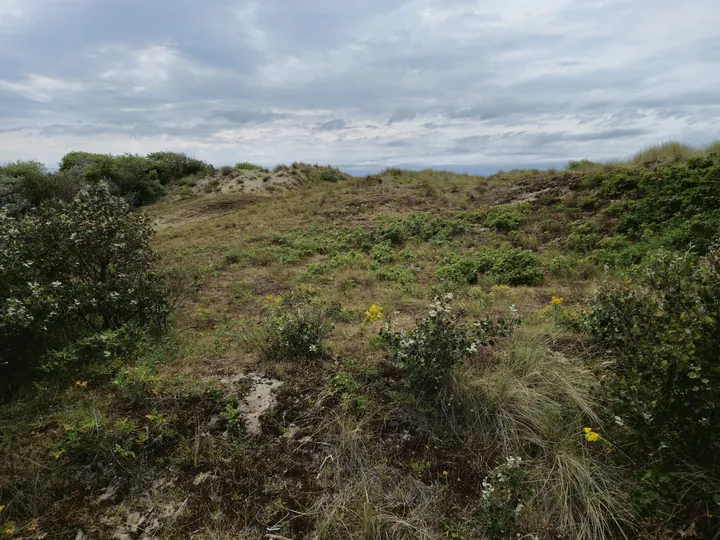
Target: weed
[(296, 334)]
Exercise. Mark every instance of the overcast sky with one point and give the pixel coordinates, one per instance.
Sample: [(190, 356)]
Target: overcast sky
[(460, 84)]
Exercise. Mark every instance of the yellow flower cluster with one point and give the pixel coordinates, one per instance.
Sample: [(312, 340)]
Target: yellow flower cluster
[(591, 435), (557, 300), (271, 298), (81, 384), (374, 313)]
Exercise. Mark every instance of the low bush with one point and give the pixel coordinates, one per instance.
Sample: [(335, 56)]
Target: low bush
[(420, 226), (664, 330), (507, 217), (296, 333), (430, 351), (510, 266), (138, 179), (70, 277), (247, 166)]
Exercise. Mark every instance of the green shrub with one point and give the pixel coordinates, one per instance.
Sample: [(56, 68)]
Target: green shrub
[(665, 384), (329, 175), (509, 266), (27, 183), (579, 165), (402, 275), (583, 237), (172, 166), (504, 492), (138, 179), (507, 217), (247, 166), (420, 226), (382, 252), (439, 341), (135, 179), (296, 334), (429, 352), (69, 272)]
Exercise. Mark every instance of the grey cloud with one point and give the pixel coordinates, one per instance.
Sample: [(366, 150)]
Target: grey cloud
[(409, 79), (402, 114), (248, 116), (331, 125)]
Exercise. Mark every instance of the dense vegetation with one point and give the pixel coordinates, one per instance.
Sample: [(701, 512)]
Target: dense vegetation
[(140, 180), (407, 355)]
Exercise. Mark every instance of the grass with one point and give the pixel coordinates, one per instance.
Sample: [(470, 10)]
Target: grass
[(533, 402), (669, 152), (347, 451), (247, 166)]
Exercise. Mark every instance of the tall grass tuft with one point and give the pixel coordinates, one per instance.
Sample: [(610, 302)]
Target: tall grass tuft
[(535, 402)]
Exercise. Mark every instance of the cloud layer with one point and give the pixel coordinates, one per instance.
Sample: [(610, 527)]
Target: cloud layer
[(460, 84)]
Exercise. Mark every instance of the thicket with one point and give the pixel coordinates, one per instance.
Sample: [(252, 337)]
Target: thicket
[(138, 179), (662, 330), (78, 285)]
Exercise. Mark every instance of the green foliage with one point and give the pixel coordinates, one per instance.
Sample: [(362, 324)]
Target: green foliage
[(247, 166), (439, 341), (69, 272), (382, 252), (172, 166), (430, 351), (329, 174), (138, 179), (665, 384), (420, 226), (507, 217), (509, 266), (583, 236), (403, 275), (669, 152), (296, 333), (579, 165), (673, 206), (504, 491), (27, 183)]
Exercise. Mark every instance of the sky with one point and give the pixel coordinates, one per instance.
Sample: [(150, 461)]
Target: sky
[(467, 85)]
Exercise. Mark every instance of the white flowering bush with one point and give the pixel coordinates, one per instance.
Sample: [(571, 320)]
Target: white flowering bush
[(429, 352), (71, 271), (296, 334), (503, 493)]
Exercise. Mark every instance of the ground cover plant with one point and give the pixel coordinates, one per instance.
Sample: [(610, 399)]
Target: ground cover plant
[(413, 354)]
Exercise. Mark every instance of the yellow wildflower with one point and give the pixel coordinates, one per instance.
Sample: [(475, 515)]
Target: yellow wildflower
[(2, 507), (557, 300), (374, 313), (82, 384), (10, 530), (590, 435)]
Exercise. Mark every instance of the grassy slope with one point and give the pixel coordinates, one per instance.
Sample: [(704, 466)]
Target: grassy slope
[(371, 464)]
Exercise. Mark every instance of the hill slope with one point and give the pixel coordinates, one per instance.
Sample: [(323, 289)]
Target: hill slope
[(230, 429)]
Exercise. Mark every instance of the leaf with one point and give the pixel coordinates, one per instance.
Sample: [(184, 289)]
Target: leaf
[(693, 375)]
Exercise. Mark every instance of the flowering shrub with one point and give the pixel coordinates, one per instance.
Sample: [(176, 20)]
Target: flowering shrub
[(503, 492), (429, 352), (70, 272), (665, 384), (296, 334)]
